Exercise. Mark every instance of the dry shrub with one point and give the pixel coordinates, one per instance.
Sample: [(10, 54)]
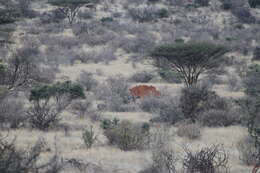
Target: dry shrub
[(164, 160), (200, 103), (128, 136), (142, 77), (211, 159), (87, 80), (13, 160), (165, 106), (163, 157), (214, 117), (115, 94), (257, 53), (247, 150), (191, 131), (81, 107), (12, 113)]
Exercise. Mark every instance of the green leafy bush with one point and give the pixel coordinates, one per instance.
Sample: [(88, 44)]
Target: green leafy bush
[(109, 124), (106, 19), (162, 13)]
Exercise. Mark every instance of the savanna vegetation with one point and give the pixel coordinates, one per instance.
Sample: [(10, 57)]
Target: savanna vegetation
[(136, 86)]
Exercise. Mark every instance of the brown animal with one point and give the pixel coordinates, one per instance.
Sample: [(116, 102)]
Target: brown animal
[(144, 90)]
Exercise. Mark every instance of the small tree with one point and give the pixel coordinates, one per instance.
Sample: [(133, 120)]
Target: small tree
[(89, 137), (49, 101), (189, 59), (70, 8)]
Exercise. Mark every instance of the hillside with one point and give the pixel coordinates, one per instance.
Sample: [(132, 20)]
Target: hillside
[(67, 68)]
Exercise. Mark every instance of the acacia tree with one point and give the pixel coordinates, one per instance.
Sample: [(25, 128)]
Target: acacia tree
[(49, 101), (189, 59), (70, 8)]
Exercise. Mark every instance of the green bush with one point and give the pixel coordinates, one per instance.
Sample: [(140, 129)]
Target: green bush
[(89, 137), (106, 19), (162, 13), (109, 124), (179, 40), (128, 136)]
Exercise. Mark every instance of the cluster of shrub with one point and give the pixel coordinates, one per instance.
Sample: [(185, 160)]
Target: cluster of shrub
[(198, 105)]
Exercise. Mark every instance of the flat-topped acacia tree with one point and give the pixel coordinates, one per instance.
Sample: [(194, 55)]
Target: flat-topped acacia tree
[(70, 8), (189, 59)]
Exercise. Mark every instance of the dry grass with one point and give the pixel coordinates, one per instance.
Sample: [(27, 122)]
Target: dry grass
[(72, 145)]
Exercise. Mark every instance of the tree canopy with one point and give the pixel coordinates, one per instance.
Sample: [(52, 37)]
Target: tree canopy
[(66, 3), (68, 88), (189, 59), (70, 8)]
